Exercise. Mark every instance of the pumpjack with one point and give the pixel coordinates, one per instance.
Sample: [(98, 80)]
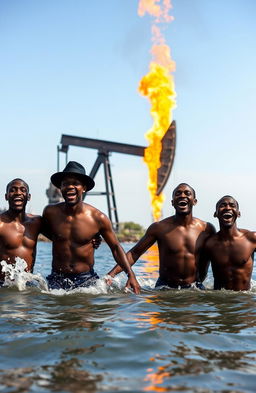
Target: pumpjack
[(105, 148)]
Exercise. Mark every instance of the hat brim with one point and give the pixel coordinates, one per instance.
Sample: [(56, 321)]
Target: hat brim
[(57, 178)]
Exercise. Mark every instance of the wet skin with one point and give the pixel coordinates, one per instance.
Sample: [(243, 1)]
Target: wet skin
[(72, 225), (18, 230), (231, 249), (180, 239)]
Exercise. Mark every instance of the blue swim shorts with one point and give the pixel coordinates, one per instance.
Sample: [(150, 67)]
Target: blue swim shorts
[(162, 283), (71, 281)]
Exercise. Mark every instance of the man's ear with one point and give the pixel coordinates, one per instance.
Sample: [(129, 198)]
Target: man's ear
[(215, 214), (238, 214), (5, 197), (84, 193), (172, 202), (29, 197), (195, 201)]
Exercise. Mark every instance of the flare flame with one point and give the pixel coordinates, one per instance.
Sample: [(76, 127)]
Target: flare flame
[(158, 86)]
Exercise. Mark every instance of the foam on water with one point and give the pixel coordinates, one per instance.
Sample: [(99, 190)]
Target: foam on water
[(17, 276), (106, 285)]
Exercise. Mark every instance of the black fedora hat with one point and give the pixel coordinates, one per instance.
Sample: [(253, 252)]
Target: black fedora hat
[(76, 169)]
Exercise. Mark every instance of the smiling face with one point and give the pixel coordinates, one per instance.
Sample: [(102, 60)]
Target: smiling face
[(72, 190), (17, 195), (227, 211), (183, 199)]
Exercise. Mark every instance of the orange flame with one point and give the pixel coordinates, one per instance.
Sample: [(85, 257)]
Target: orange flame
[(158, 86)]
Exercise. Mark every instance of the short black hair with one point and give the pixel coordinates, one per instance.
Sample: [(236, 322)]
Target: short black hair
[(226, 196), (184, 184), (17, 179)]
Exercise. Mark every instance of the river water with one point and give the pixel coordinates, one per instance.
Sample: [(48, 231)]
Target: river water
[(107, 340)]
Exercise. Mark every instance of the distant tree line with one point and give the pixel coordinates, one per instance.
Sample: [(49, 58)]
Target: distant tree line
[(130, 231)]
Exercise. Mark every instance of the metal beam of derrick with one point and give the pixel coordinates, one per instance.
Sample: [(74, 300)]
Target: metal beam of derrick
[(101, 145), (106, 147)]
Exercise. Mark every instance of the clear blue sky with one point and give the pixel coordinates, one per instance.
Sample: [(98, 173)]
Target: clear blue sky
[(74, 67)]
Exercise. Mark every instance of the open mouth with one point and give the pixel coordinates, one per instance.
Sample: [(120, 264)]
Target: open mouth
[(182, 203), (70, 195), (18, 201), (227, 216)]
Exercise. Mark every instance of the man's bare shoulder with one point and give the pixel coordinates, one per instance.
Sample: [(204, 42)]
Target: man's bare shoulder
[(169, 222), (250, 235), (34, 218), (89, 208), (4, 218), (31, 220), (161, 225), (53, 208), (205, 226), (95, 213)]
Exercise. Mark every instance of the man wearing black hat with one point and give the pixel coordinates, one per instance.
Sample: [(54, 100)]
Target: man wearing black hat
[(71, 225), (19, 230)]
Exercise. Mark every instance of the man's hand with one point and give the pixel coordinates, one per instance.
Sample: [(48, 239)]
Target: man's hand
[(133, 283), (108, 279), (96, 241)]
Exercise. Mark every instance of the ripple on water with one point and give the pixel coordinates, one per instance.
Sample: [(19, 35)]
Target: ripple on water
[(107, 340)]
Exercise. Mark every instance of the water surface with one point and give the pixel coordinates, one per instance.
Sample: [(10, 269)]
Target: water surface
[(108, 340)]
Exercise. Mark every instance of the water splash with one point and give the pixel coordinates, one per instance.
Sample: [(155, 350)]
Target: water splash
[(105, 285), (17, 276), (253, 286)]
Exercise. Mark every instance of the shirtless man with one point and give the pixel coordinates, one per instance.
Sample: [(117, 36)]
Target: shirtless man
[(18, 230), (71, 225), (180, 239), (231, 249)]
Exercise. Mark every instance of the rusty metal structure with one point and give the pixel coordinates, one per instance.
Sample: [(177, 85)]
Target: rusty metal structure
[(105, 148)]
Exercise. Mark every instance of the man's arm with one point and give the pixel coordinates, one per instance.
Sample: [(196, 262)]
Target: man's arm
[(140, 248), (117, 251), (45, 227), (203, 265), (203, 259)]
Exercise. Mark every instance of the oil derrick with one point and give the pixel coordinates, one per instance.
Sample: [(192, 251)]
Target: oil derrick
[(105, 148)]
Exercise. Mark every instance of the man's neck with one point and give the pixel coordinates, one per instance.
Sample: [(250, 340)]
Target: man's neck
[(183, 219), (15, 215), (72, 210), (229, 232)]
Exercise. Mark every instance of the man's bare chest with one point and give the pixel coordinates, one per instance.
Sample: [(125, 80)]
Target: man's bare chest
[(178, 239), (17, 236), (235, 252), (75, 230)]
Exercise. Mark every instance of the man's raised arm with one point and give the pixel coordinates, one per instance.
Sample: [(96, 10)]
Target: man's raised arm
[(135, 252)]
